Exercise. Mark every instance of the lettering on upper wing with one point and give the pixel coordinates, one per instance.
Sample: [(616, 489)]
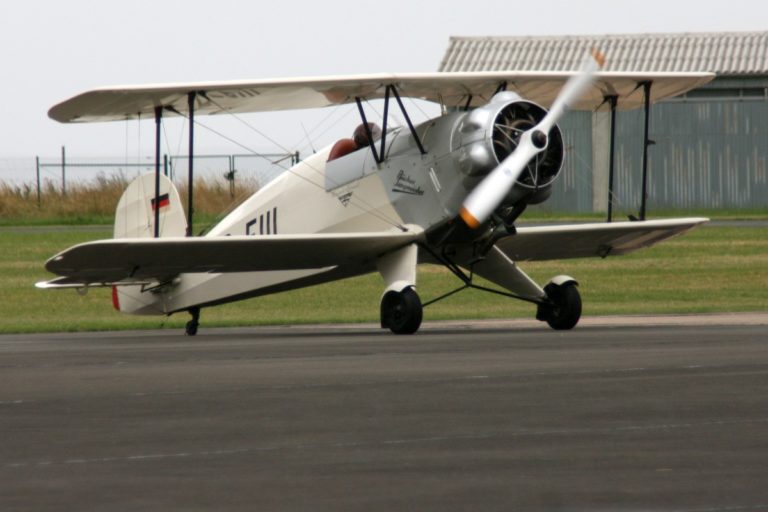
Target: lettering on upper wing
[(234, 94), (263, 224)]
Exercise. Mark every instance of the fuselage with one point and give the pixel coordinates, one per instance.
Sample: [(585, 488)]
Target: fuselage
[(351, 194)]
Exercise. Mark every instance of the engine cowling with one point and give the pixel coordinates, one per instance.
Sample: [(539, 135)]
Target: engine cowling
[(488, 134)]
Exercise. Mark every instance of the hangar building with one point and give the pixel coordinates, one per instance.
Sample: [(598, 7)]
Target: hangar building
[(711, 145)]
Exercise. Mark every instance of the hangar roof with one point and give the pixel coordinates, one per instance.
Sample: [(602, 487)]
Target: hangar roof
[(725, 53)]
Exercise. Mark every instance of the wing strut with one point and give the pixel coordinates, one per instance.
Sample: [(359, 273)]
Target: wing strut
[(612, 101), (646, 143), (156, 202), (368, 133), (191, 101), (408, 120), (379, 155)]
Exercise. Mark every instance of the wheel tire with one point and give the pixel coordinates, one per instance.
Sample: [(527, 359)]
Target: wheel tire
[(401, 312), (565, 311), (191, 328)]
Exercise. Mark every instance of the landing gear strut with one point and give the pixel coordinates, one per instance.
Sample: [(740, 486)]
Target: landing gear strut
[(192, 325), (401, 312), (565, 309)]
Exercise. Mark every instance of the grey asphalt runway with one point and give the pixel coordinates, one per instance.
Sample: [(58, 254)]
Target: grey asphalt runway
[(611, 416)]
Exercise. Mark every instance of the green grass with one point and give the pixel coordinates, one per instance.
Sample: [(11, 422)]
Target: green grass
[(712, 269)]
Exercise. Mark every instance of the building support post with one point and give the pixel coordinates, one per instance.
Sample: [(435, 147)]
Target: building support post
[(191, 175), (156, 202), (646, 143), (612, 101)]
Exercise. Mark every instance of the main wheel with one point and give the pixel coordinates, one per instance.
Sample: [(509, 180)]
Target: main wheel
[(565, 311), (401, 312)]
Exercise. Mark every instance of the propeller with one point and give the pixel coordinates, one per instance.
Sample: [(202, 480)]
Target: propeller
[(489, 194)]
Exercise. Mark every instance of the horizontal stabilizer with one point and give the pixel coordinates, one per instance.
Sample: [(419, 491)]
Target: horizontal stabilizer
[(141, 260), (589, 240)]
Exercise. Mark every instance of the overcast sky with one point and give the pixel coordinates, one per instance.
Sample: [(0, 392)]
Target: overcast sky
[(53, 49)]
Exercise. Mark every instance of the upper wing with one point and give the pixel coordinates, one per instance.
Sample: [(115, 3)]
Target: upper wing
[(142, 260), (451, 89), (586, 240)]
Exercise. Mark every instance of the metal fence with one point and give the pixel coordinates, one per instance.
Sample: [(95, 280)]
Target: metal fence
[(61, 171)]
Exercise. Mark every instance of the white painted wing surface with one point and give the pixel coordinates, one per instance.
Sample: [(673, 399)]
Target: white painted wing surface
[(141, 260), (589, 240), (119, 103)]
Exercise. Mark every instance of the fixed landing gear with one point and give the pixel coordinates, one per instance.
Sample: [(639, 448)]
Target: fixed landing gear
[(565, 310), (401, 312), (192, 325)]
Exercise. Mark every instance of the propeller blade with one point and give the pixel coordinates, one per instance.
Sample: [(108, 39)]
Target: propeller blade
[(490, 192)]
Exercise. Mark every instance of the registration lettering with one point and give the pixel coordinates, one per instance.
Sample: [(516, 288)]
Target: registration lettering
[(263, 224)]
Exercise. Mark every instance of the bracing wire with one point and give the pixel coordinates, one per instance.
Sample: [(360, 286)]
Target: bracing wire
[(167, 141), (618, 204), (308, 134), (138, 137), (308, 139), (364, 206), (369, 209), (178, 146), (330, 127)]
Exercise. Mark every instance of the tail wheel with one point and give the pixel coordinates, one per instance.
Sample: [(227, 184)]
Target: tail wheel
[(191, 328), (401, 312), (565, 310)]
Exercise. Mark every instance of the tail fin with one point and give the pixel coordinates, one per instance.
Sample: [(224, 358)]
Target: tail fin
[(135, 218), (135, 215)]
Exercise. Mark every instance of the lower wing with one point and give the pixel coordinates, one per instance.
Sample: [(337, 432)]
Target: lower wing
[(588, 240)]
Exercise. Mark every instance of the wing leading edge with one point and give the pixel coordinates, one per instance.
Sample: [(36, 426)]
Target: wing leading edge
[(589, 240), (142, 260)]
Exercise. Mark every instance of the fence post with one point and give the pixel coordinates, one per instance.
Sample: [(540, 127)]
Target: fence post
[(37, 170), (63, 171)]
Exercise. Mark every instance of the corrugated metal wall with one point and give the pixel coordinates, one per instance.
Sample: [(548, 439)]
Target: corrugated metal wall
[(573, 189), (708, 154)]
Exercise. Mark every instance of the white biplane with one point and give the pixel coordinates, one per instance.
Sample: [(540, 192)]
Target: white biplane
[(447, 191)]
